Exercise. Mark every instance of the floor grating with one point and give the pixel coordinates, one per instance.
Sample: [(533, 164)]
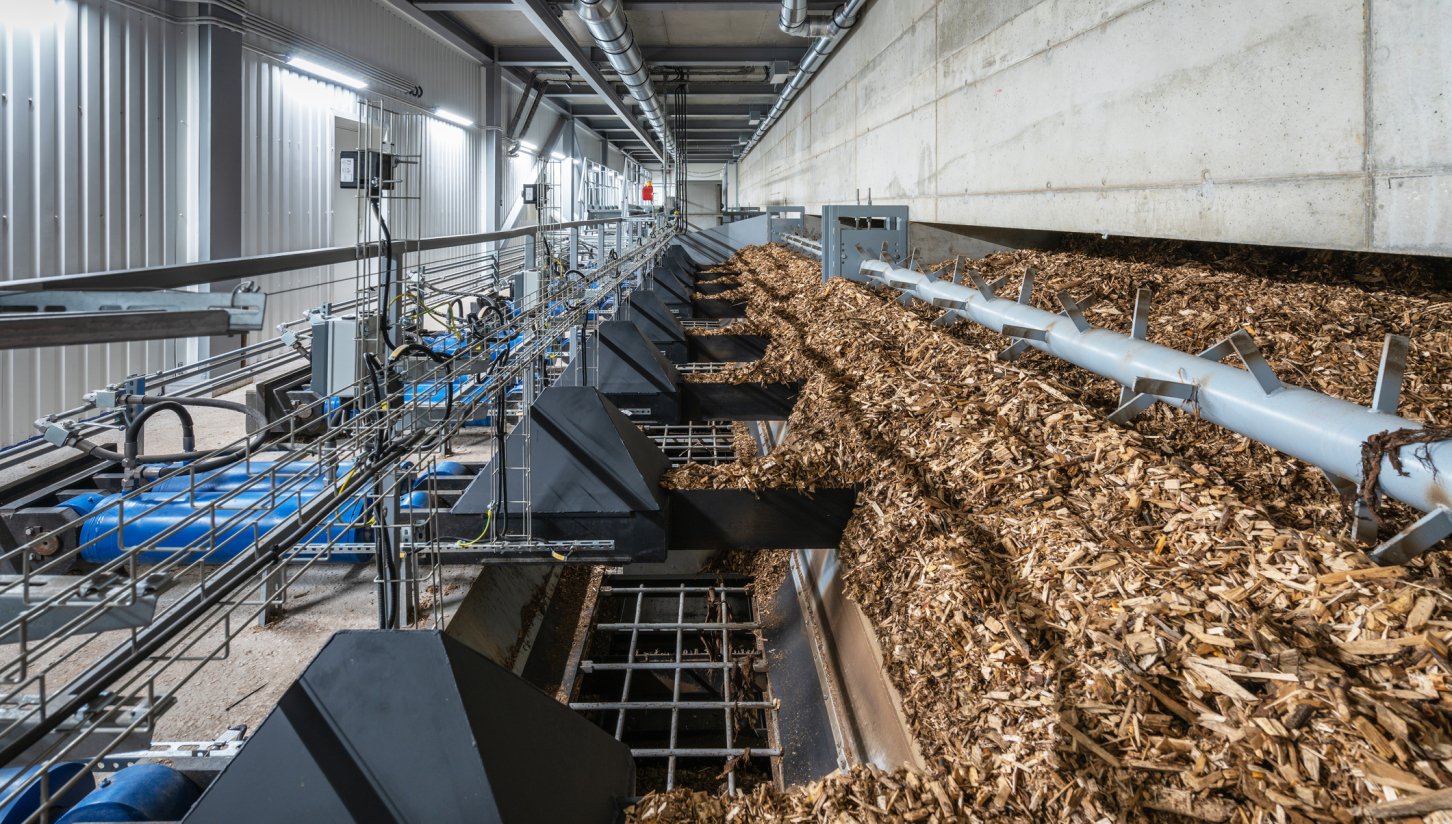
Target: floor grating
[(675, 668)]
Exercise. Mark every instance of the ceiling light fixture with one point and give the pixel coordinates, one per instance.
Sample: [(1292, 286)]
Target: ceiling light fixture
[(453, 118), (314, 68), (35, 14)]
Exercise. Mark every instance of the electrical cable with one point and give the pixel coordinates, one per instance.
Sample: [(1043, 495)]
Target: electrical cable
[(385, 281), (135, 426), (375, 378), (202, 461), (501, 498)]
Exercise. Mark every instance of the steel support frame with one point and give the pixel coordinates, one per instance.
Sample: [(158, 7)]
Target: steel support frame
[(538, 13)]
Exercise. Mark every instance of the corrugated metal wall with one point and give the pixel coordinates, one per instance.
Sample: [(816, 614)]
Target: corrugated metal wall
[(98, 159), (372, 32), (287, 179), (92, 131)]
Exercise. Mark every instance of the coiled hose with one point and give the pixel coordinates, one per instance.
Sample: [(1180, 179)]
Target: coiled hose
[(202, 462)]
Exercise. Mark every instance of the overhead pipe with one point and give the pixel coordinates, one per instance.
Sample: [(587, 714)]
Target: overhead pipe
[(831, 35), (1328, 433), (794, 20), (612, 33)]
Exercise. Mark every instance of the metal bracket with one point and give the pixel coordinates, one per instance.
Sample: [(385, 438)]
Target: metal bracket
[(1251, 356), (1415, 539), (1072, 309), (1026, 288), (981, 284), (131, 717), (1389, 376), (1025, 332), (1130, 409), (1165, 389), (122, 605), (186, 756), (1014, 351), (1139, 330), (1363, 523), (43, 318)]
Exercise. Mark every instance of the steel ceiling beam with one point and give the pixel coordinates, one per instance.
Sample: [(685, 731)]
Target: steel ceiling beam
[(563, 43), (450, 30), (700, 110), (656, 55), (623, 134), (634, 5), (696, 124), (693, 90)]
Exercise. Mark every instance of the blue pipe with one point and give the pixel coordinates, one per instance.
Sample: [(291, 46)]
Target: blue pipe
[(141, 792), (28, 802), (240, 520)]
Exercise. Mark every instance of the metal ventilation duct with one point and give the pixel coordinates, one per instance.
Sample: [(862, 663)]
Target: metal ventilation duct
[(612, 33), (794, 20), (829, 33)]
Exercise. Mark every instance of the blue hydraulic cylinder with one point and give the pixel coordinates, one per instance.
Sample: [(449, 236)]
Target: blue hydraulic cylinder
[(141, 792), (29, 801), (214, 529)]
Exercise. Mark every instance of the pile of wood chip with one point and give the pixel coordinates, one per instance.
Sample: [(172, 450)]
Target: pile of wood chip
[(1088, 622)]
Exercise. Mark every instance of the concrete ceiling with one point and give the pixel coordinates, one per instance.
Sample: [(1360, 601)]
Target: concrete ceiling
[(724, 46)]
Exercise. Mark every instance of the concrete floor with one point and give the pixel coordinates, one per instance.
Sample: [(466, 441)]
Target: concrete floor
[(263, 661)]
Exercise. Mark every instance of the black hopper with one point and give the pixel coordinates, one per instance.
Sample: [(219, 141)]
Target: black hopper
[(417, 727), (634, 375), (595, 476), (662, 327), (592, 475), (676, 287), (718, 308)]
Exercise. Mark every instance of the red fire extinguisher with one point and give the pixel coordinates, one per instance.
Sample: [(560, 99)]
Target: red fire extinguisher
[(647, 192)]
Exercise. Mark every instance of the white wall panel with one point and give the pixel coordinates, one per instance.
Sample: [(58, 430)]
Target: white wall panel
[(93, 177)]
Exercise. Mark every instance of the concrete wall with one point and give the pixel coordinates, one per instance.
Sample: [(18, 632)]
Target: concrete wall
[(1324, 123)]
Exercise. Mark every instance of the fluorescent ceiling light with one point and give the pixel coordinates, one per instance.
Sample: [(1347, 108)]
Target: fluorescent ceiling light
[(453, 118), (558, 156), (324, 72), (34, 14), (528, 147)]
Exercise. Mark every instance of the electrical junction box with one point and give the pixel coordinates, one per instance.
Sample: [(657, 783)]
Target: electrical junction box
[(373, 170), (337, 353), (532, 193)]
